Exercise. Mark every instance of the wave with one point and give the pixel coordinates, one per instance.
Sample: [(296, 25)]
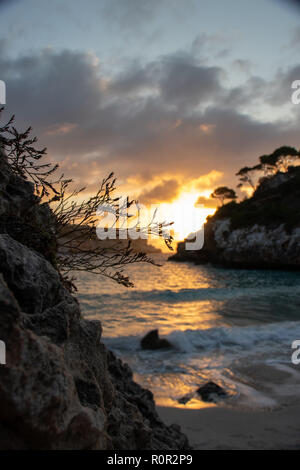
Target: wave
[(223, 339), (246, 337), (196, 294)]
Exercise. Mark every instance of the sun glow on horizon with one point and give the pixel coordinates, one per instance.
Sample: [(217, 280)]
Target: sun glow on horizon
[(185, 209), (187, 217)]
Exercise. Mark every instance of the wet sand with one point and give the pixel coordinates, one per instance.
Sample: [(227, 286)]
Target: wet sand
[(227, 428)]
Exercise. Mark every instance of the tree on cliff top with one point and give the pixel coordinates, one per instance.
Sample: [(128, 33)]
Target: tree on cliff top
[(270, 164), (279, 160), (222, 193), (246, 175), (73, 221)]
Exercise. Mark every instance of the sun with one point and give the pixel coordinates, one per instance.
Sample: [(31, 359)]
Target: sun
[(186, 217)]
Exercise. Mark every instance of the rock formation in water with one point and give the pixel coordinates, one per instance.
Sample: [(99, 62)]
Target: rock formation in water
[(60, 388), (152, 341), (260, 232)]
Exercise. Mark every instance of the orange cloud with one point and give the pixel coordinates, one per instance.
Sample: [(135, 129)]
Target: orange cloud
[(165, 191), (206, 202), (207, 128), (61, 129)]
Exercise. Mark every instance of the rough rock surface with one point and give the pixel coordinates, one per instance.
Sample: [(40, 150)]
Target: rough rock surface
[(210, 390), (60, 388)]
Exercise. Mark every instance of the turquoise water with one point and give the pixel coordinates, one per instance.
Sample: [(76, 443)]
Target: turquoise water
[(224, 325)]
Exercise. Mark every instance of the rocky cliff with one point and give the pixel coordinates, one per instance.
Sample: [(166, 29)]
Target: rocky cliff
[(60, 388), (260, 232)]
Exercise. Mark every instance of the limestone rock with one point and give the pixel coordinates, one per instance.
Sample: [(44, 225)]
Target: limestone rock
[(60, 388), (262, 232)]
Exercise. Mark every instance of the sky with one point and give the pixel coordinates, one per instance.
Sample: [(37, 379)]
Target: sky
[(174, 96)]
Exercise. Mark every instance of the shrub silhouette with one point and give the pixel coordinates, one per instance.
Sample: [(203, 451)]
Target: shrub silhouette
[(73, 222)]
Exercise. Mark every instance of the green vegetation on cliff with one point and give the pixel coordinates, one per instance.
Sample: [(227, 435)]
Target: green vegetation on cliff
[(262, 231), (276, 201)]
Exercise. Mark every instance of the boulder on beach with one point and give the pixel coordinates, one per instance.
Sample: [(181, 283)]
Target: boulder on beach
[(152, 341), (210, 391)]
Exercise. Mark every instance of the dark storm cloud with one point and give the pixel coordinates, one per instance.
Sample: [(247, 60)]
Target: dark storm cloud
[(169, 118)]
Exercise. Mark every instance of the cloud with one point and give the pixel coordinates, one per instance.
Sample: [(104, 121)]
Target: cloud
[(211, 45), (295, 38), (165, 191), (135, 17), (206, 202), (207, 181), (134, 79), (50, 89), (130, 13), (280, 90), (62, 129), (170, 118), (184, 83), (242, 65)]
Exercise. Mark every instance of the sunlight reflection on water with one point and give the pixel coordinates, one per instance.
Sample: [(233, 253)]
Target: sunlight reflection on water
[(214, 318)]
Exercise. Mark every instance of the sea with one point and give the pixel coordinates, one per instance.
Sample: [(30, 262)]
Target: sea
[(234, 327)]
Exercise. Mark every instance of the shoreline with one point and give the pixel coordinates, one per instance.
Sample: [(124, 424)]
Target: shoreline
[(221, 428)]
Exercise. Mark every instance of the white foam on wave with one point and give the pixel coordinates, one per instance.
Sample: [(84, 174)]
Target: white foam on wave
[(217, 354), (221, 338), (249, 397), (245, 337)]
